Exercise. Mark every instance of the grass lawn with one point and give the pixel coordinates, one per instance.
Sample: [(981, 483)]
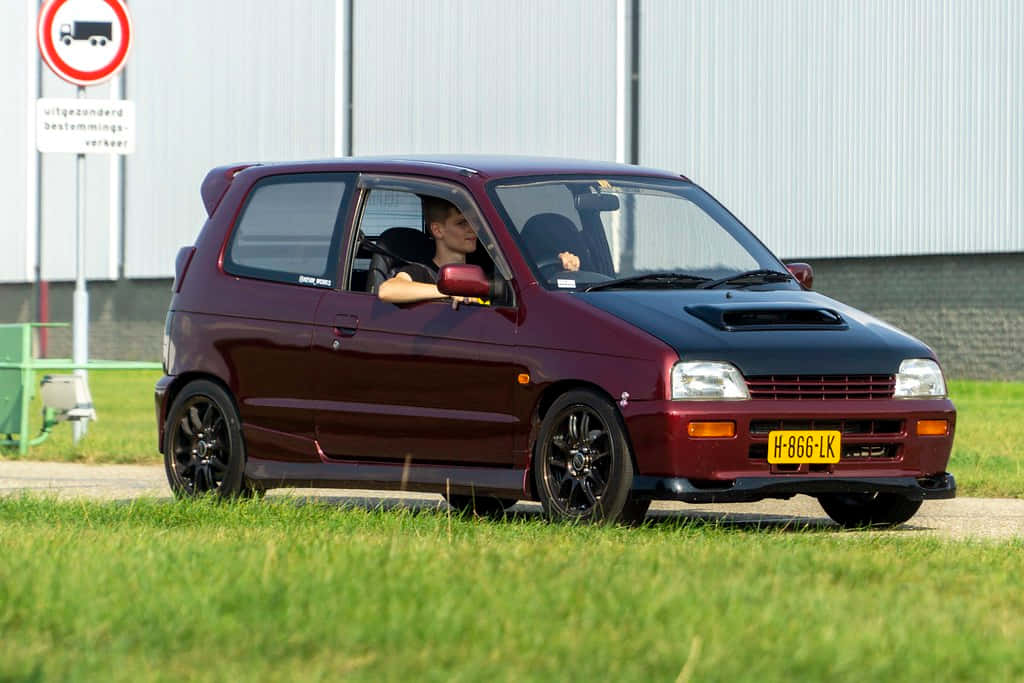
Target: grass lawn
[(988, 453), (277, 590)]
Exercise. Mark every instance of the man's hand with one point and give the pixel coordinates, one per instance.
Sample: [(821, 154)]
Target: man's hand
[(570, 261)]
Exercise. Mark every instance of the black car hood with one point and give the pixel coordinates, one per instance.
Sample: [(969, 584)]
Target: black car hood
[(764, 332)]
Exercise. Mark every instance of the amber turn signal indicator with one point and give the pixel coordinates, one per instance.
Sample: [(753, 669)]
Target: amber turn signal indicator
[(711, 430), (523, 378), (932, 427)]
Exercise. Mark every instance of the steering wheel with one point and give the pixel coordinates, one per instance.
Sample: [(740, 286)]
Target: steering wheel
[(549, 266)]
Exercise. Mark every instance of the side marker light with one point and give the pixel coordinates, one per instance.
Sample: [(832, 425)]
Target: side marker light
[(932, 427), (523, 378), (711, 430)]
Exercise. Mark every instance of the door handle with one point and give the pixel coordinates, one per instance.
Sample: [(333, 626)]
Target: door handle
[(345, 325)]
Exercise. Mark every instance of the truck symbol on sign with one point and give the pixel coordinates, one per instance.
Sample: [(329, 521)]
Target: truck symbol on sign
[(96, 32)]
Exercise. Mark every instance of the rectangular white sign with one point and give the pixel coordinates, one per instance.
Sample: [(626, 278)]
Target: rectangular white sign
[(83, 126)]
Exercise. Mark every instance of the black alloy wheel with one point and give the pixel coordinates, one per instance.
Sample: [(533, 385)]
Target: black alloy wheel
[(583, 467), (204, 453), (859, 510)]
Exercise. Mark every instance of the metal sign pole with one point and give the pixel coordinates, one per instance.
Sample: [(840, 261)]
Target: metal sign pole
[(80, 322)]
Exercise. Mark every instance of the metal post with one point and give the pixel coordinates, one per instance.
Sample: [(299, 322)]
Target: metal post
[(80, 322), (116, 197), (33, 242), (342, 78), (623, 74)]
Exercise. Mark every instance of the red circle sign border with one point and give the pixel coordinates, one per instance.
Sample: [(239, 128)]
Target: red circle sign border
[(44, 30)]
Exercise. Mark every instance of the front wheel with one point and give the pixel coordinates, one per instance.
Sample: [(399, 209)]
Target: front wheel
[(583, 468), (856, 510), (204, 452)]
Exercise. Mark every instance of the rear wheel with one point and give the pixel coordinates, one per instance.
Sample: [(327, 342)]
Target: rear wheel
[(480, 505), (856, 510), (204, 452), (583, 468)]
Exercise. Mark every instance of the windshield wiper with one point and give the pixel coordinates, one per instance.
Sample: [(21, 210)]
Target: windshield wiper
[(667, 279), (756, 277)]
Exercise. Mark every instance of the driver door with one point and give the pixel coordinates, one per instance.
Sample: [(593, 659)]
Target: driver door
[(424, 382)]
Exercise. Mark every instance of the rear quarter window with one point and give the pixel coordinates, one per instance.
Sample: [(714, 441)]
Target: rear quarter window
[(290, 229)]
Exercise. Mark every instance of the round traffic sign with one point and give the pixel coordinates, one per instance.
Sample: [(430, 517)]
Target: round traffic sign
[(85, 42)]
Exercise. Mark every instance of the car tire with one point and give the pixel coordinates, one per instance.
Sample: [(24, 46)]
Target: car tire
[(480, 505), (583, 467), (859, 510), (204, 452)]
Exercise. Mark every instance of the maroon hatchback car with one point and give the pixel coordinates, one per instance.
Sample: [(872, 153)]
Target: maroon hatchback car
[(674, 358)]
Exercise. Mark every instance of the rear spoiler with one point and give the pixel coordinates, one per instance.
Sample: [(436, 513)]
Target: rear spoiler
[(216, 183)]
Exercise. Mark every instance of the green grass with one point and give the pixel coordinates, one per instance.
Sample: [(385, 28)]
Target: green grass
[(988, 453), (125, 431), (988, 449), (285, 591)]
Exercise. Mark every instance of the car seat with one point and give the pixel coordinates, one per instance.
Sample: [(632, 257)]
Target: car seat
[(394, 248), (546, 235)]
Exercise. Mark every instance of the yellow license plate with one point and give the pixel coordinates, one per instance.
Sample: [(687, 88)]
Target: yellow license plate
[(787, 446)]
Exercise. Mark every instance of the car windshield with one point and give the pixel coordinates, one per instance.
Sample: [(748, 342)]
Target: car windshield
[(588, 232)]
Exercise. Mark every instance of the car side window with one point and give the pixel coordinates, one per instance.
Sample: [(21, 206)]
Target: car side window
[(385, 210), (290, 229)]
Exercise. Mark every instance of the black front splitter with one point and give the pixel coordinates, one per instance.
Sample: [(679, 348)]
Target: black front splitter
[(751, 489)]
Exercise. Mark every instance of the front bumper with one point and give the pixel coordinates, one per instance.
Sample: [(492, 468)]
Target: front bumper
[(879, 439), (752, 489)]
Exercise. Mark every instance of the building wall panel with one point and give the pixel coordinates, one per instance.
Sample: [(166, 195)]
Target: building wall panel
[(15, 266), (215, 83), (466, 76), (835, 128)]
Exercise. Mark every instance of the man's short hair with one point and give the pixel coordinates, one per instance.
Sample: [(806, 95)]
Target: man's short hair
[(437, 210)]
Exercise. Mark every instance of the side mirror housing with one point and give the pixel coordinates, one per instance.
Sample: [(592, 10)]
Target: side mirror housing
[(463, 279), (803, 273)]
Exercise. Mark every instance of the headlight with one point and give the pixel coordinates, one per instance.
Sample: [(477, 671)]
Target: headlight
[(919, 378), (707, 381)]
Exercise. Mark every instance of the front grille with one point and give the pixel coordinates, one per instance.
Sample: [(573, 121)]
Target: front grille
[(759, 429), (759, 451), (875, 450), (821, 387), (845, 427)]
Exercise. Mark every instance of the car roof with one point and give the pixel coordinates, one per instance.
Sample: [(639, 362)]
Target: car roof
[(486, 166)]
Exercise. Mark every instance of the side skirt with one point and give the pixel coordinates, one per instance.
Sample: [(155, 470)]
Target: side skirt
[(505, 483)]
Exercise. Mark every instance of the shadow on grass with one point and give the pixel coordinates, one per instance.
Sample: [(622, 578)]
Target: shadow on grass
[(530, 512), (527, 511)]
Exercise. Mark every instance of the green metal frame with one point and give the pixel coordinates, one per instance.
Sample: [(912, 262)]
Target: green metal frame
[(18, 368)]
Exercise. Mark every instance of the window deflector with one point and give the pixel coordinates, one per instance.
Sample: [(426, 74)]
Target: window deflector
[(456, 195)]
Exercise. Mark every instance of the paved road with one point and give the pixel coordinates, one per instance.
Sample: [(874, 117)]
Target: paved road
[(996, 518)]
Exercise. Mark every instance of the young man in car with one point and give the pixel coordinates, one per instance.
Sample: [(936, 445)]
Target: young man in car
[(454, 238)]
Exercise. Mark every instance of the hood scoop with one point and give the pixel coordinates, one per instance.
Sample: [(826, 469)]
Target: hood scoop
[(734, 318)]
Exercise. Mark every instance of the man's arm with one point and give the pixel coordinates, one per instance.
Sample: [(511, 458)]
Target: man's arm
[(402, 289)]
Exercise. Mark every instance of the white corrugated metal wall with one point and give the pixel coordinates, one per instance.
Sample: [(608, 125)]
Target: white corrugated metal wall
[(17, 251), (215, 83), (832, 128), (526, 77), (836, 129)]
